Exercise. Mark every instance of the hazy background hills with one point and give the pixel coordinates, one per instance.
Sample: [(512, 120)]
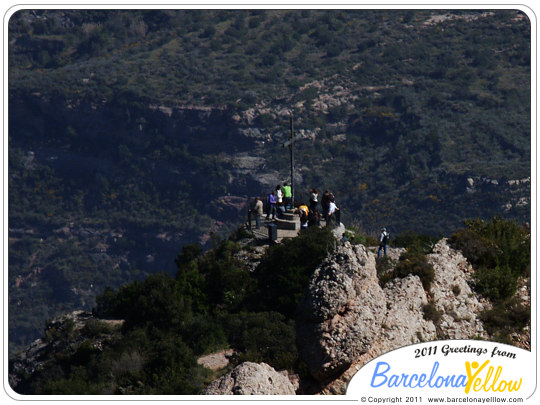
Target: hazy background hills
[(133, 132)]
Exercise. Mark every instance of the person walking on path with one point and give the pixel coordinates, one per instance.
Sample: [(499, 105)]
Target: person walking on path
[(383, 243), (272, 210)]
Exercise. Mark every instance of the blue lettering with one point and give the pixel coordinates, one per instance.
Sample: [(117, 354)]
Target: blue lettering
[(413, 377), (376, 374), (463, 382), (393, 381), (404, 378), (421, 382), (433, 372), (382, 377)]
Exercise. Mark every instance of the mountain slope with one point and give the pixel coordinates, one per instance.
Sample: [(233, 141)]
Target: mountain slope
[(134, 132)]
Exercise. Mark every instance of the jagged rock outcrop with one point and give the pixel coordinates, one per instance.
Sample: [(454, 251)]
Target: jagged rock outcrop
[(404, 321), (403, 324), (251, 379), (347, 319), (64, 334), (340, 318), (452, 295)]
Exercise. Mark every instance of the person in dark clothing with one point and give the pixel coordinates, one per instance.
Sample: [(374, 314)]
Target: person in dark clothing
[(384, 238), (314, 199), (314, 218), (325, 204)]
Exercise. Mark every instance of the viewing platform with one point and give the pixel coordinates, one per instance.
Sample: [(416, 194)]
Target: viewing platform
[(287, 226)]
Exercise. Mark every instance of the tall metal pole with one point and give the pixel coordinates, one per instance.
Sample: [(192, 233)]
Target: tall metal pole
[(291, 146)]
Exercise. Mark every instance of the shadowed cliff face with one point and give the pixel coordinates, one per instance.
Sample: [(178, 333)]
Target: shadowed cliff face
[(125, 187), (131, 167)]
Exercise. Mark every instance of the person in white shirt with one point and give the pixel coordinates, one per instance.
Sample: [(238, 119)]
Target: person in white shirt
[(279, 195), (332, 217)]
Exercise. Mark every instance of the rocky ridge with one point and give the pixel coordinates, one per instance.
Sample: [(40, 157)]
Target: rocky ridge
[(251, 379), (64, 335), (346, 319)]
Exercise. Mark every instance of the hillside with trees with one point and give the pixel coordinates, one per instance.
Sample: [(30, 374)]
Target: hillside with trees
[(146, 338), (133, 133)]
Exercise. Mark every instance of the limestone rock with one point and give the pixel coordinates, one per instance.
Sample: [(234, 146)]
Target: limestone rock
[(340, 318), (251, 379), (404, 323), (347, 319), (452, 294), (217, 360)]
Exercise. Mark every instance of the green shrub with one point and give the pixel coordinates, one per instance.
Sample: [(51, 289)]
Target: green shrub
[(416, 264), (414, 242), (384, 266), (263, 337), (505, 318), (96, 327), (285, 269), (499, 251), (355, 237), (496, 283), (60, 331), (456, 290), (431, 313)]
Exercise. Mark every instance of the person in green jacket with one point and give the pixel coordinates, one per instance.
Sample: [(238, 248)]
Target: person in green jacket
[(287, 195)]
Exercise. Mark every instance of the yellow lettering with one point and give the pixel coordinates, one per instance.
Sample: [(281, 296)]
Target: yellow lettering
[(487, 384), (470, 375), (497, 374), (515, 387), (488, 376)]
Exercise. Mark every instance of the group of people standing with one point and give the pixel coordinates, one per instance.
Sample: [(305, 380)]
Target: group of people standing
[(280, 200), (329, 210)]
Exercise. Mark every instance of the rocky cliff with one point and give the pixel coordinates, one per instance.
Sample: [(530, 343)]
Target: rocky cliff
[(347, 318), (251, 379)]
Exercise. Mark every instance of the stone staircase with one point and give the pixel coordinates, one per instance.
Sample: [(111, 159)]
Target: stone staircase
[(288, 226), (288, 221)]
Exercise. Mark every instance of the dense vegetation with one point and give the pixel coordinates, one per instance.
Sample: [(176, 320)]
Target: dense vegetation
[(213, 302), (127, 130), (500, 252)]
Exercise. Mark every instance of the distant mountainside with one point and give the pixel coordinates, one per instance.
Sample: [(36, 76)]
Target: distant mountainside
[(135, 132)]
